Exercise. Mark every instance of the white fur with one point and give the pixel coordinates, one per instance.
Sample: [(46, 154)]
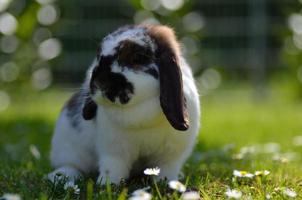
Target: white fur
[(121, 134), (134, 34)]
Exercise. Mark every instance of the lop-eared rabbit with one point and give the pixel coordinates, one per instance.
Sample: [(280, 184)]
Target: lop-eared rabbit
[(138, 108)]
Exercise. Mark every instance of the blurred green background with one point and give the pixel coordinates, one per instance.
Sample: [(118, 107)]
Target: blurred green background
[(47, 42), (246, 56)]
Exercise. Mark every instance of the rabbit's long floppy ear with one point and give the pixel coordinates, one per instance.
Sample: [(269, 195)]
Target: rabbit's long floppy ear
[(89, 109), (172, 99)]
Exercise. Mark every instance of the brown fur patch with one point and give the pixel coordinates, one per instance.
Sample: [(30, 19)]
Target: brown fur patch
[(165, 36), (134, 55), (167, 55)]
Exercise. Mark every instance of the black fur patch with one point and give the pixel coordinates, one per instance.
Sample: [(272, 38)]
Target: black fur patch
[(73, 107), (117, 86), (79, 106), (152, 72), (89, 109), (113, 85)]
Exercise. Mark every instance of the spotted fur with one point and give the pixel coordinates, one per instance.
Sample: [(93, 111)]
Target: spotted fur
[(139, 108)]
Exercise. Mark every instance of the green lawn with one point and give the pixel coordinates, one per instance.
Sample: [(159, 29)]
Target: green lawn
[(239, 132)]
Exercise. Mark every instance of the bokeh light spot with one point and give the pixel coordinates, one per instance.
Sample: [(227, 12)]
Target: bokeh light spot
[(41, 78), (297, 39), (47, 15), (43, 2), (50, 49), (295, 23), (9, 72), (172, 4), (150, 21), (4, 4), (209, 80), (150, 4), (4, 100), (8, 24), (193, 22), (189, 46), (41, 34), (9, 44), (145, 17)]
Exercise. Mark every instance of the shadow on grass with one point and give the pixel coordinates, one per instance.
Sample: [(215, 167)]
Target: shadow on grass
[(21, 172)]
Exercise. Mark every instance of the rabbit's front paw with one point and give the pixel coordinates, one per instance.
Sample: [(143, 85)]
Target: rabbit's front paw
[(113, 170), (64, 173)]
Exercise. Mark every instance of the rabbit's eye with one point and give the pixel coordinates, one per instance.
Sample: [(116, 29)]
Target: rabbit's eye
[(140, 58), (133, 55)]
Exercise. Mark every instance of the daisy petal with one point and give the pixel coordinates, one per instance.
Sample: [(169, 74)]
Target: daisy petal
[(290, 193), (11, 197), (140, 194), (236, 194), (176, 185), (190, 196), (152, 171)]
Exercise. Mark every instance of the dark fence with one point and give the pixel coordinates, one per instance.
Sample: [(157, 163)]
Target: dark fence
[(239, 35), (82, 26)]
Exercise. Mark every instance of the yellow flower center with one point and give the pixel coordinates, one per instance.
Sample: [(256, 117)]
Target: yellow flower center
[(243, 173)]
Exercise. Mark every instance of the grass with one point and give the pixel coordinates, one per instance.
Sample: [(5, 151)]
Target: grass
[(233, 121)]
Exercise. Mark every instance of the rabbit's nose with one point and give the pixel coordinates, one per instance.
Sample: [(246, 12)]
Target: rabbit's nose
[(114, 86), (124, 97)]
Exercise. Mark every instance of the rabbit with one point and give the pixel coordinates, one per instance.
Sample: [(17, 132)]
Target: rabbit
[(137, 108)]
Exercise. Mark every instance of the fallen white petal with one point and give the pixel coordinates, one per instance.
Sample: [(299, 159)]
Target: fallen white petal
[(34, 151), (176, 185), (236, 194), (11, 197), (290, 193), (140, 194), (190, 196)]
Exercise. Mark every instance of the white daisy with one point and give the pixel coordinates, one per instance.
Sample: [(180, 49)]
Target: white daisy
[(152, 171), (268, 196), (140, 194), (244, 174), (72, 186), (191, 195), (290, 193), (176, 185), (235, 194), (262, 173), (11, 197)]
